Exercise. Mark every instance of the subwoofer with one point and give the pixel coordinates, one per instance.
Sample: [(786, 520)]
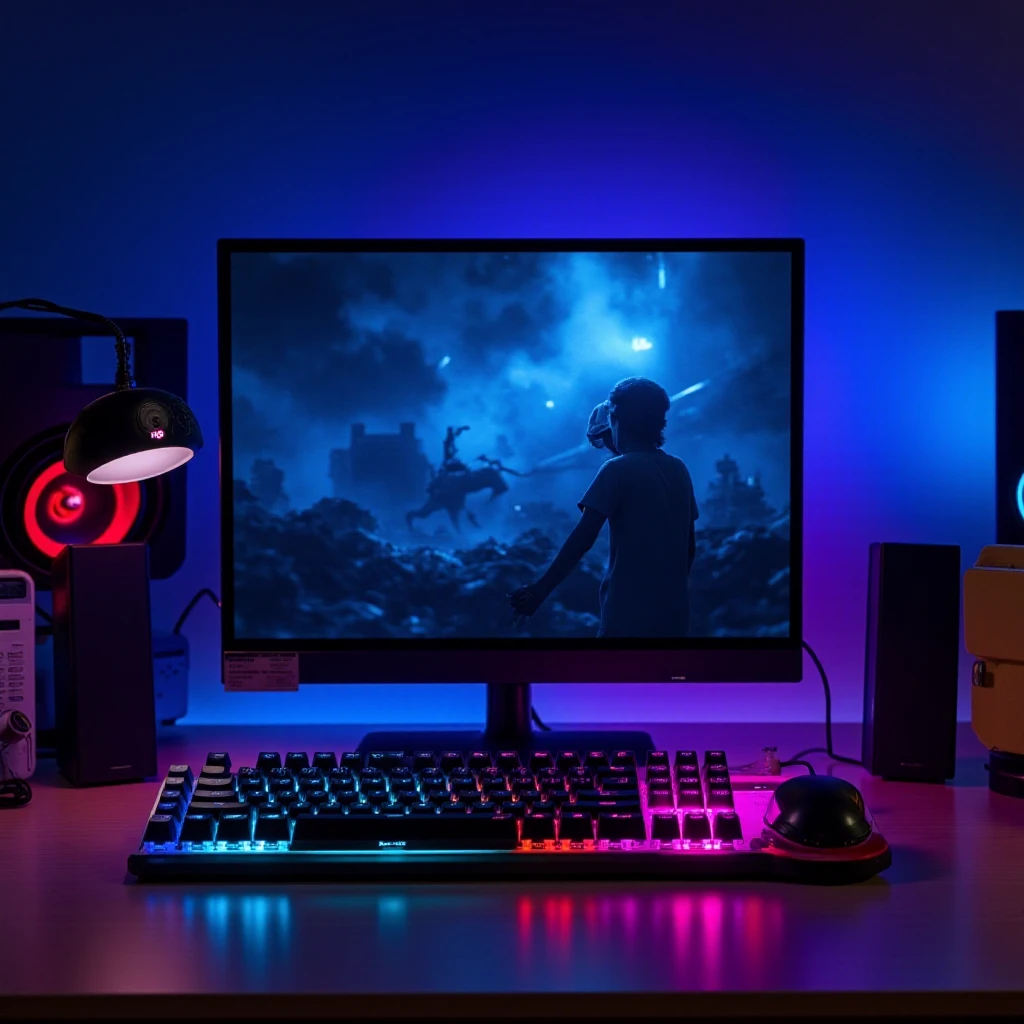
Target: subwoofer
[(54, 367), (1009, 427)]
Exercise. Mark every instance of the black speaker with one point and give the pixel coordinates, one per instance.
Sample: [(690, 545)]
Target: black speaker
[(1009, 428), (52, 368), (103, 664), (912, 663)]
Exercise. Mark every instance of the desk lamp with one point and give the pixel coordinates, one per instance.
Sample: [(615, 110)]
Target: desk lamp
[(130, 434)]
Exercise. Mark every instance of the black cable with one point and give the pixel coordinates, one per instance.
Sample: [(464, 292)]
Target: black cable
[(123, 379), (537, 720), (827, 749), (795, 760), (205, 592), (45, 616), (14, 793)]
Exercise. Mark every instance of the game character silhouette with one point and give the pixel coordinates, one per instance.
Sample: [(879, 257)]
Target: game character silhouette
[(646, 497), (454, 480)]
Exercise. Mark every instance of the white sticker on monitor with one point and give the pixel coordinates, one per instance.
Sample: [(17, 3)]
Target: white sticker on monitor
[(251, 671)]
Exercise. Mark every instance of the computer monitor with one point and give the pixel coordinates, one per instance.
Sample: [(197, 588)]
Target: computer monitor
[(412, 432)]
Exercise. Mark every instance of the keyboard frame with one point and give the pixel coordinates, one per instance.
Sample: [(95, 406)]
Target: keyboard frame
[(760, 855)]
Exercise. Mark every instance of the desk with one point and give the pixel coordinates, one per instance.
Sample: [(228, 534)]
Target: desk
[(941, 931)]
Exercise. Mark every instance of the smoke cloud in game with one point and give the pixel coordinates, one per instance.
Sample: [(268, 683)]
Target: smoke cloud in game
[(408, 433)]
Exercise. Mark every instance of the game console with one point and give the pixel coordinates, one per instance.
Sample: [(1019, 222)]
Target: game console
[(17, 674)]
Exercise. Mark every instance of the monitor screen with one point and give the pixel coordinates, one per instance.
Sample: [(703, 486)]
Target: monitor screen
[(522, 443)]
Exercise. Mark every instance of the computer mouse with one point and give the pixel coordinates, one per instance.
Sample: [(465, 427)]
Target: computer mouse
[(818, 811)]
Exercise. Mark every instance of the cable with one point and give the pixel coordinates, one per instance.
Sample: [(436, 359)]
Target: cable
[(205, 592), (827, 749), (44, 615), (14, 791), (123, 379), (793, 761), (537, 720)]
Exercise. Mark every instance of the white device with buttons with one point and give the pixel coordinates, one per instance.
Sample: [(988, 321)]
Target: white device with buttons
[(17, 674)]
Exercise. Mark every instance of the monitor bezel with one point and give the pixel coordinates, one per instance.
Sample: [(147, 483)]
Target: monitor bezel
[(710, 659)]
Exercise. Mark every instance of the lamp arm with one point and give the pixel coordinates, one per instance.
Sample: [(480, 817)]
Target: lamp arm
[(123, 380)]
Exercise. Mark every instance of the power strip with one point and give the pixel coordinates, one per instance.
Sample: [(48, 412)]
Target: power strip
[(17, 675)]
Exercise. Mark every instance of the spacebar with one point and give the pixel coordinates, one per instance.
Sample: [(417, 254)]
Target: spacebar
[(399, 832)]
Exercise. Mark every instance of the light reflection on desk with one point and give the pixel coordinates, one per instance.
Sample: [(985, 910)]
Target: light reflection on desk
[(698, 938)]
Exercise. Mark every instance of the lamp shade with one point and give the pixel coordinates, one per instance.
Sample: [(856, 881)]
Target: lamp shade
[(131, 434)]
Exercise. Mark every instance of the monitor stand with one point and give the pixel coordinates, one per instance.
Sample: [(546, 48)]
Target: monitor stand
[(509, 727)]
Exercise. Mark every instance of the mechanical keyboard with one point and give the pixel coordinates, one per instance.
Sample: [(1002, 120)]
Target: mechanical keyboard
[(418, 815)]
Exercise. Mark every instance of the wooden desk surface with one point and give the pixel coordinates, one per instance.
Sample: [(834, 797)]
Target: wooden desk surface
[(943, 929)]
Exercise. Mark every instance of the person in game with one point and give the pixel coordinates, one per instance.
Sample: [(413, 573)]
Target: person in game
[(646, 497), (451, 463)]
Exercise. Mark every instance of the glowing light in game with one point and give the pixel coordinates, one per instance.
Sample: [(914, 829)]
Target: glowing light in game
[(549, 404), (444, 362), (661, 271), (688, 391), (1020, 496), (642, 345)]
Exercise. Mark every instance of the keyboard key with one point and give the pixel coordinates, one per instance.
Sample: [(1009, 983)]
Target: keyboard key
[(282, 800), (162, 828), (392, 759), (714, 758), (418, 832), (282, 785), (197, 828), (422, 759), (541, 759), (362, 810), (623, 759), (325, 760), (214, 771), (249, 773), (542, 807), (258, 797), (451, 759), (664, 827), (657, 759), (687, 759), (484, 808), (273, 828), (657, 771), (580, 778), (596, 807), (173, 794), (575, 827), (596, 759), (181, 771), (691, 796), (177, 782), (296, 760), (234, 828), (221, 759), (567, 759), (696, 826), (660, 796), (727, 826), (687, 781), (267, 761), (537, 827), (467, 797), (719, 797), (450, 808), (215, 785), (423, 809), (616, 827), (479, 759), (351, 760), (218, 808), (316, 798), (172, 808), (507, 760)]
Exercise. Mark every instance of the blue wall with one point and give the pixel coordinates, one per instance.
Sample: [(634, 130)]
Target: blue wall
[(888, 135)]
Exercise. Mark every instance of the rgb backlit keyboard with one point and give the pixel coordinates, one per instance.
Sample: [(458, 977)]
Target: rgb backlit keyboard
[(473, 814)]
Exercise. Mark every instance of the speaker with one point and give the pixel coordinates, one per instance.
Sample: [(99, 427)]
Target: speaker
[(52, 368), (1009, 428), (912, 663), (103, 664)]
